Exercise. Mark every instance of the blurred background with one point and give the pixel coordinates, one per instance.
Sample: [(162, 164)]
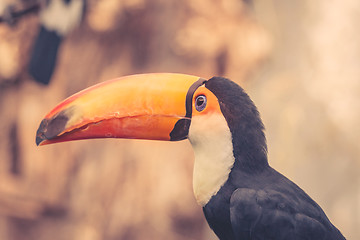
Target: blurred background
[(298, 60)]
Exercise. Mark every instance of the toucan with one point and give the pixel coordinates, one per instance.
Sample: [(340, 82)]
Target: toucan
[(241, 195)]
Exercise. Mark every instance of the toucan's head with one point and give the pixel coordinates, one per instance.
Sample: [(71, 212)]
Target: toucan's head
[(216, 115), (156, 106)]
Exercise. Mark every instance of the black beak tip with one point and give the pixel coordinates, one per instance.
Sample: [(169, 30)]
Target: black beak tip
[(39, 140), (51, 128), (40, 133)]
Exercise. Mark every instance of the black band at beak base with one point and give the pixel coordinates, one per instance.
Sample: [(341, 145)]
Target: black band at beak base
[(181, 128)]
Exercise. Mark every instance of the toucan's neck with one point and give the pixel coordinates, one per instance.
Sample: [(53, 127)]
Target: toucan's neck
[(248, 140), (214, 156), (218, 151), (250, 150), (243, 119)]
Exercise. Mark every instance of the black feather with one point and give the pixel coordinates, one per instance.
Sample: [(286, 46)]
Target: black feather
[(247, 129), (257, 202)]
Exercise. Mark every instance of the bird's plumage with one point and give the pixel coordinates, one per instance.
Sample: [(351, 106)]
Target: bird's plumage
[(257, 202)]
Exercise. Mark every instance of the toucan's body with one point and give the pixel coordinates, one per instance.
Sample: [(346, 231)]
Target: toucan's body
[(266, 206), (241, 195)]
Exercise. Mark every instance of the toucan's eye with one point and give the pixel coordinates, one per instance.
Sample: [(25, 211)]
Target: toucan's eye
[(200, 103)]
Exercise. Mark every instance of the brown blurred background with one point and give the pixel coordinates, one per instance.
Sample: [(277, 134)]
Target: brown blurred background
[(299, 61)]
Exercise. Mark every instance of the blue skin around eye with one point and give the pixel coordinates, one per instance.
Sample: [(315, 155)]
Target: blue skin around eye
[(202, 105)]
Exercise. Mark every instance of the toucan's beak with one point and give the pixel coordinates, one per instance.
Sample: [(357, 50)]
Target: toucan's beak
[(146, 106)]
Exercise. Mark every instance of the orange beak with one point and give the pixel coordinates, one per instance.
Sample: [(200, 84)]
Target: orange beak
[(147, 106)]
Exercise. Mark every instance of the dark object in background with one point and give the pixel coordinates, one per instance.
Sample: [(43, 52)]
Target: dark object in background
[(10, 15), (44, 55), (57, 19)]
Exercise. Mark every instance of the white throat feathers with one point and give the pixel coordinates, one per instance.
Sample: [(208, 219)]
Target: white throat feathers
[(211, 140)]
